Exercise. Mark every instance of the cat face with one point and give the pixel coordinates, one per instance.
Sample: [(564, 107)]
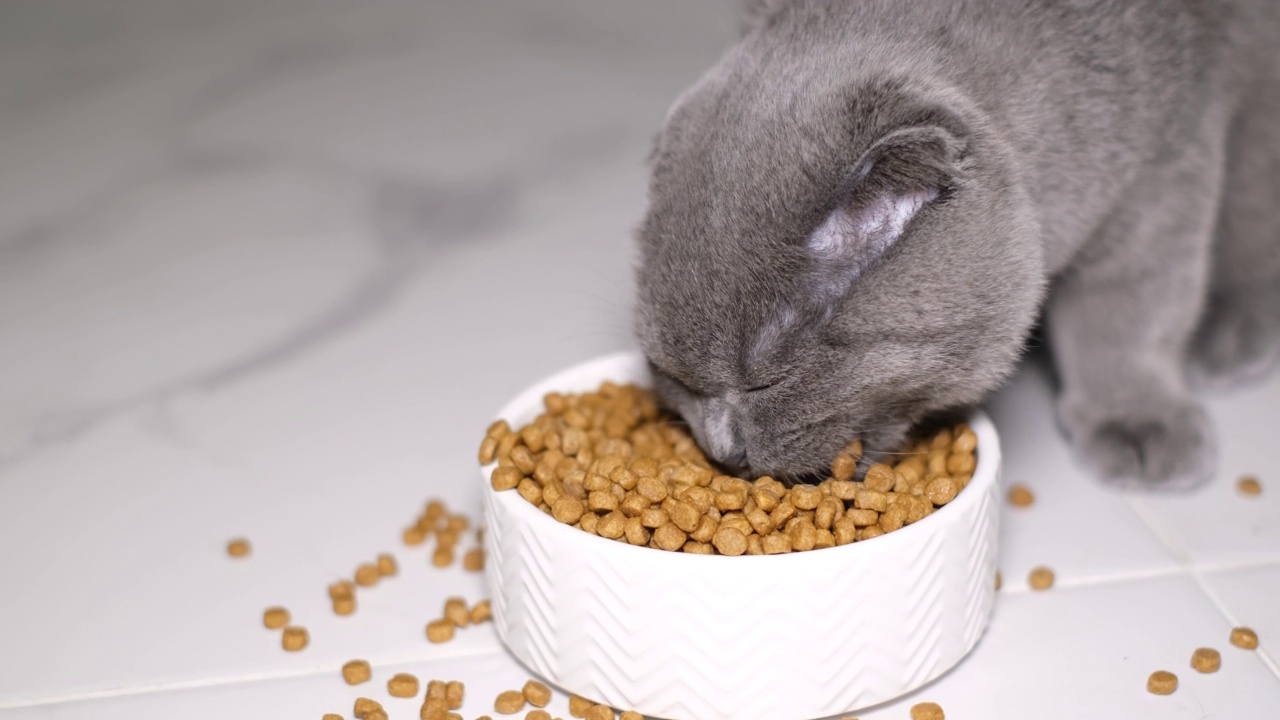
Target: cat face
[(823, 261)]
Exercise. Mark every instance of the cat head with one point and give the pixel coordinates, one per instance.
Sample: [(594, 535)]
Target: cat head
[(827, 256)]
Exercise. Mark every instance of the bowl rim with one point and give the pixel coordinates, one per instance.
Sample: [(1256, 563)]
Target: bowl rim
[(985, 473)]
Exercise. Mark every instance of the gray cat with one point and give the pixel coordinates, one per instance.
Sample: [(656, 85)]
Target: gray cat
[(860, 213)]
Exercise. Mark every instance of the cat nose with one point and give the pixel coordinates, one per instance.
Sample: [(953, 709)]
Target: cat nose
[(725, 441)]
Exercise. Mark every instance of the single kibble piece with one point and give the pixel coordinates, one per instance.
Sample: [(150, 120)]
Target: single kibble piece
[(344, 605), (455, 611), (294, 638), (927, 711), (238, 547), (331, 716), (1206, 660), (275, 618), (439, 631), (481, 612), (538, 714), (1162, 682), (367, 575), (342, 589), (630, 715), (1243, 637), (1041, 578), (473, 560), (941, 490), (356, 672), (1249, 485), (443, 556), (599, 712), (509, 702), (402, 685), (453, 694), (434, 709), (413, 536), (1021, 496), (578, 706), (537, 694), (730, 541), (386, 565), (364, 706)]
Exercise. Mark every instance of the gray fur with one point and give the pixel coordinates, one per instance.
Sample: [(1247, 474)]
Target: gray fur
[(1114, 164)]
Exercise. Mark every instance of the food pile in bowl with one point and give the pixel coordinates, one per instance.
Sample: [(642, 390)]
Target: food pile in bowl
[(609, 462)]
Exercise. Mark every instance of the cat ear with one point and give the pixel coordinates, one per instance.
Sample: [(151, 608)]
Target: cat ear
[(892, 183)]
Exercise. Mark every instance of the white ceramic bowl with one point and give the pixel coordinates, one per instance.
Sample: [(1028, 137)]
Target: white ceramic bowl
[(701, 637)]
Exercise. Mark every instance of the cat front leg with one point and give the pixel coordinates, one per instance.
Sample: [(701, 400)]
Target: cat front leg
[(1119, 322)]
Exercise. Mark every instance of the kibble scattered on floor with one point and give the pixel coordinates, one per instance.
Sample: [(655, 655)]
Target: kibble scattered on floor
[(927, 711), (275, 618), (356, 672), (402, 685), (238, 548), (294, 638), (1243, 637), (1040, 578), (1249, 485), (509, 702), (1021, 496), (1162, 682), (1206, 660)]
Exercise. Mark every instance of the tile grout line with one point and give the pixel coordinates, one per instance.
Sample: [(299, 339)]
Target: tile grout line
[(1183, 558), (227, 681)]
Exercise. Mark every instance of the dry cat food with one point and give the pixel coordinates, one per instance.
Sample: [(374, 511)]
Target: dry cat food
[(509, 702), (1249, 485), (331, 716), (343, 596), (365, 707), (402, 685), (238, 547), (536, 694), (1021, 496), (386, 565), (608, 463), (294, 638), (1243, 637), (367, 575), (275, 618), (599, 712), (356, 672), (439, 631), (1162, 682), (537, 714), (1206, 660), (927, 711), (1041, 578)]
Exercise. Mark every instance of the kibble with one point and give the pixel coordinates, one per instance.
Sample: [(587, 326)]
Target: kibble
[(578, 706), (367, 575), (509, 702), (344, 605), (356, 672), (1206, 660), (1021, 496), (439, 631), (1243, 637), (538, 714), (608, 463), (294, 638), (364, 706), (1249, 485), (927, 711), (402, 685), (454, 691), (1162, 682), (630, 715), (1040, 578), (481, 612), (275, 618), (473, 560), (331, 716), (455, 611), (238, 548), (536, 694), (599, 712), (386, 565)]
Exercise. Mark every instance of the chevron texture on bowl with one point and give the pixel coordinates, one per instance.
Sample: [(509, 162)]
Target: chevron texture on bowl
[(702, 637)]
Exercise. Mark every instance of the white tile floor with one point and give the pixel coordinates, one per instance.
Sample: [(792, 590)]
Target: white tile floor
[(268, 266)]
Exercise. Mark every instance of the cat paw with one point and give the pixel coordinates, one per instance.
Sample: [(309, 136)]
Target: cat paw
[(1237, 343), (1168, 448)]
